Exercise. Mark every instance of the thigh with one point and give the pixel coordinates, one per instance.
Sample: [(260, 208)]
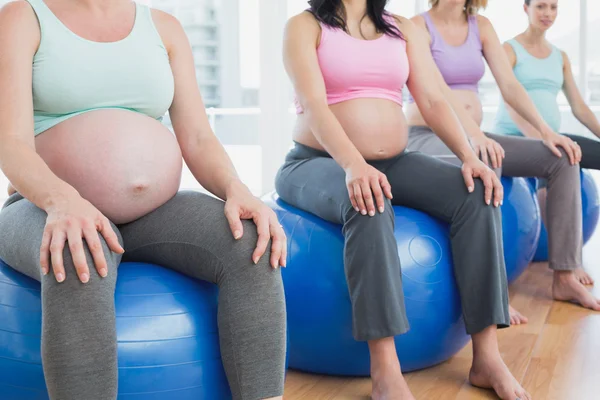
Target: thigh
[(428, 184), (590, 150), (525, 157), (425, 141), (21, 229), (189, 234), (316, 185)]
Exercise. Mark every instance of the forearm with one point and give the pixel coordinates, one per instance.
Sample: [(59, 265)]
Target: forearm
[(444, 122), (525, 127), (589, 120), (518, 99), (330, 134), (211, 166), (30, 175)]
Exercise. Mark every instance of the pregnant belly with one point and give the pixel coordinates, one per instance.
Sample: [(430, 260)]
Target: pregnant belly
[(126, 164)]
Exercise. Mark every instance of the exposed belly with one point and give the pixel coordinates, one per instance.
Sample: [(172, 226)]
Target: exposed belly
[(376, 127), (470, 101), (126, 164)]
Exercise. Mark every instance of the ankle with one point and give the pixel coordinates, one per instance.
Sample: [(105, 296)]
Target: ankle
[(485, 344), (563, 275)]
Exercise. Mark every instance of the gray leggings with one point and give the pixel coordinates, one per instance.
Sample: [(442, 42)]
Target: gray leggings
[(531, 158), (313, 181), (188, 234)]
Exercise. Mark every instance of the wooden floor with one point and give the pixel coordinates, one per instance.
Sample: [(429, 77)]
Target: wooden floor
[(556, 356)]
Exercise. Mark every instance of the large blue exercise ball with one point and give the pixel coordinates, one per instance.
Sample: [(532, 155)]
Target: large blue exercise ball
[(318, 303), (521, 223), (168, 345), (590, 207)]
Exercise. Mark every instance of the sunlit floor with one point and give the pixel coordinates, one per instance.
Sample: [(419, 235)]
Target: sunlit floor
[(556, 356)]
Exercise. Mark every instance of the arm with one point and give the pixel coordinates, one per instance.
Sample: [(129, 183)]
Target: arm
[(201, 150), (511, 89), (581, 110), (437, 112), (204, 154), (24, 168), (70, 218)]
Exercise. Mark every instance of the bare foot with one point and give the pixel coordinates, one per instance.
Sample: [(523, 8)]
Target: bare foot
[(583, 276), (389, 384), (516, 318), (490, 372), (566, 287)]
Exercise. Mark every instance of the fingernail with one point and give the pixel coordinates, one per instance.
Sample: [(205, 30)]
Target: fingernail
[(60, 277), (364, 212), (488, 202), (356, 209), (85, 278), (381, 210), (45, 272), (237, 234), (496, 204), (470, 189), (255, 259), (371, 213), (103, 272)]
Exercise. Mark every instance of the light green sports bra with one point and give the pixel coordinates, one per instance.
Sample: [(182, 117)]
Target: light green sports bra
[(73, 75)]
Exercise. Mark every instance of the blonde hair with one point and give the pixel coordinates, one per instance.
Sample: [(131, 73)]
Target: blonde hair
[(472, 7)]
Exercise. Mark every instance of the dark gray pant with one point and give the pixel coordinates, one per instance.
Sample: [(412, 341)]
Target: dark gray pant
[(188, 234), (531, 158), (590, 151), (313, 181)]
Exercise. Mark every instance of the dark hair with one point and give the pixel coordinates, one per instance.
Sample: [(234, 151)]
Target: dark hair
[(332, 13), (528, 2)]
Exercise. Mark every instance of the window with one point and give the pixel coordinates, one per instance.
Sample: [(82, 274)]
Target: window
[(593, 52)]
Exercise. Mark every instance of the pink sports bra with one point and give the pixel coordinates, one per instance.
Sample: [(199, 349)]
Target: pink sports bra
[(354, 68)]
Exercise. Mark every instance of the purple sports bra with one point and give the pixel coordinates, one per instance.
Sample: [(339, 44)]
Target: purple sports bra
[(461, 66)]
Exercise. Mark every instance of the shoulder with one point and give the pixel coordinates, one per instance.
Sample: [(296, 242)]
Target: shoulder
[(410, 31), (419, 20), (18, 20), (483, 22), (302, 23), (169, 28)]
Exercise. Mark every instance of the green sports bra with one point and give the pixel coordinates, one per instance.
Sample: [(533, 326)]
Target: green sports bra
[(73, 75)]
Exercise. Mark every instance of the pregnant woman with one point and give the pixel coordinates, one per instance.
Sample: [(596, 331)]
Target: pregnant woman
[(461, 42), (349, 61), (544, 70), (96, 175)]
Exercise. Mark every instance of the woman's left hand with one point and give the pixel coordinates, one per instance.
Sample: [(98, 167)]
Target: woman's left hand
[(241, 204)]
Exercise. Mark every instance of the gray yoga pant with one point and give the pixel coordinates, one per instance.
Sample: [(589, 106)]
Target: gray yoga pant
[(188, 234), (311, 180), (527, 157)]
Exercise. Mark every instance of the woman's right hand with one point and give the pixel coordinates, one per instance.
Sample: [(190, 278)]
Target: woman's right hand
[(72, 220), (367, 187), (473, 168)]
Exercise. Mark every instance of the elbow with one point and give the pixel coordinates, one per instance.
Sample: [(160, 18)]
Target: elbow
[(511, 91), (313, 106)]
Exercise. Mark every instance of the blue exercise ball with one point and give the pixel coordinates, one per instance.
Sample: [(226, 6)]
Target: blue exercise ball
[(318, 303), (590, 207), (168, 345), (521, 222)]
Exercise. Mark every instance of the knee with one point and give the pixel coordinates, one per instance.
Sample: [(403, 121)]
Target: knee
[(475, 202), (96, 283), (368, 224)]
